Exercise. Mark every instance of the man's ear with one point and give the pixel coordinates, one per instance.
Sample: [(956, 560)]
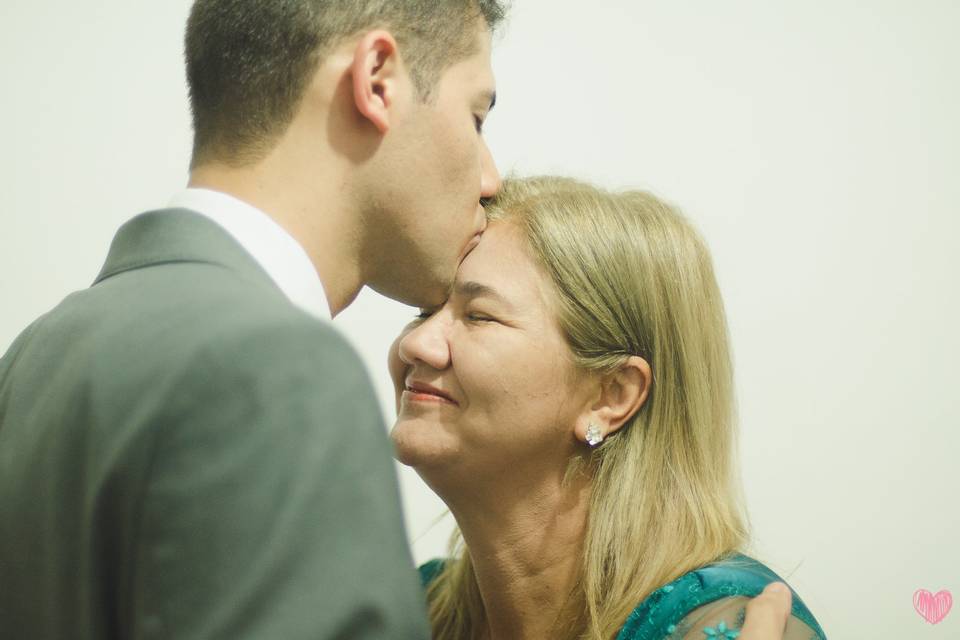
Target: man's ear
[(621, 394), (379, 77)]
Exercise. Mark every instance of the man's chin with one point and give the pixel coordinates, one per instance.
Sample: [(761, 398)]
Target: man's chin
[(435, 291), (421, 293)]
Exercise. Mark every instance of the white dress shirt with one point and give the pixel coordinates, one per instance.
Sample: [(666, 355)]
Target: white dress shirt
[(275, 250)]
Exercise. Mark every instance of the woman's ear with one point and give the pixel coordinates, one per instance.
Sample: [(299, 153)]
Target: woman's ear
[(621, 394), (378, 77)]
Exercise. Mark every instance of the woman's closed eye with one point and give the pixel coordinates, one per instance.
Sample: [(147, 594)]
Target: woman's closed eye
[(479, 317)]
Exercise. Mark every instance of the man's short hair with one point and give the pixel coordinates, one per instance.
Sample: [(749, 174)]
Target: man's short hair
[(249, 61)]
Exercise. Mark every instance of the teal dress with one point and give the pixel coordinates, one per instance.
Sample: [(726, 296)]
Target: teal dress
[(705, 604)]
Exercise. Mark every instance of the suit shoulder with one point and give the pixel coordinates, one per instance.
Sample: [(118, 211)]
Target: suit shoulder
[(179, 312), (283, 340)]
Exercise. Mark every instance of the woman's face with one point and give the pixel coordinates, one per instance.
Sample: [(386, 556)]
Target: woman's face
[(485, 385)]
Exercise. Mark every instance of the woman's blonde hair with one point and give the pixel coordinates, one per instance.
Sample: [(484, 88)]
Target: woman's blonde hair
[(632, 277)]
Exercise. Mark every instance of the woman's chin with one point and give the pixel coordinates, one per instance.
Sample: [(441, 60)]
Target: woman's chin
[(404, 455), (418, 449)]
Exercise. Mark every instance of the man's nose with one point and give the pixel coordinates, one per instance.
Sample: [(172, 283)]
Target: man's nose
[(489, 176)]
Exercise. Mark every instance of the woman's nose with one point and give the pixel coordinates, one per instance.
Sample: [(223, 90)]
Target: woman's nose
[(426, 343)]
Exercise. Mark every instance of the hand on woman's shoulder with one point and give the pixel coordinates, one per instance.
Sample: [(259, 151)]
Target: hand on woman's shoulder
[(724, 619), (711, 603)]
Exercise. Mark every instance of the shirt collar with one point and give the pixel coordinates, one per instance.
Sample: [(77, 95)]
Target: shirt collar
[(275, 250)]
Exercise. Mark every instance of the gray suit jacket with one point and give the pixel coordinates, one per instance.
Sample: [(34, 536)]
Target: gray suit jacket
[(185, 454)]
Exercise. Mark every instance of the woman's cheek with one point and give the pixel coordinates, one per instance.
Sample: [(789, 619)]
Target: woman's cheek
[(396, 366)]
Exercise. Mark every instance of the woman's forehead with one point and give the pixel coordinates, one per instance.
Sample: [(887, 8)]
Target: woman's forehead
[(501, 266), (499, 262)]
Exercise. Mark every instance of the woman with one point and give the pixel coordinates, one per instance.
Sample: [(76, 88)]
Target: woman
[(572, 404)]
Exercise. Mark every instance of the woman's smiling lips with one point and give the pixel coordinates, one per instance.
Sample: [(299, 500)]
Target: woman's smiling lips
[(422, 392)]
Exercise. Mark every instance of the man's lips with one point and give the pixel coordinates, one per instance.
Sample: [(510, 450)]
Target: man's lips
[(471, 245), (474, 241), (421, 388)]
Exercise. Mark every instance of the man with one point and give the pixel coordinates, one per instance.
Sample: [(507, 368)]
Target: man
[(187, 450)]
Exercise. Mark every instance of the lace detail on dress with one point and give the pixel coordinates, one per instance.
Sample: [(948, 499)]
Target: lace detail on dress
[(710, 604), (705, 604)]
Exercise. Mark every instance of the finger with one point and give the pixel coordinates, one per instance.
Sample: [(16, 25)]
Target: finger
[(767, 614)]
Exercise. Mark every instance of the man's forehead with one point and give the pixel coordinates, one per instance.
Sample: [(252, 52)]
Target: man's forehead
[(475, 89), (476, 68)]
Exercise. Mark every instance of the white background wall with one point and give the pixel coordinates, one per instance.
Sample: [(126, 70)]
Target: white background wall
[(814, 143)]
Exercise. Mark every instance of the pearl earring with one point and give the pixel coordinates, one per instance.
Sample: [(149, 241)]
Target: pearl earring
[(594, 435)]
